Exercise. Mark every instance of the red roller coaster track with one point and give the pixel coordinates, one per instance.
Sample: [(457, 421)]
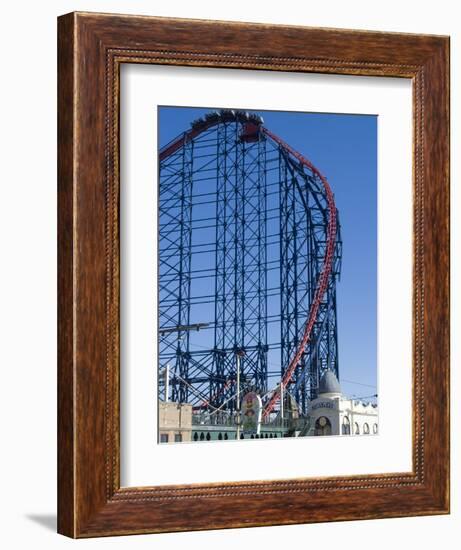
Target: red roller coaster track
[(322, 283)]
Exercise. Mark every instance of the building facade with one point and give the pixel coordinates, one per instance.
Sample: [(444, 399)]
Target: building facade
[(334, 414), (175, 422)]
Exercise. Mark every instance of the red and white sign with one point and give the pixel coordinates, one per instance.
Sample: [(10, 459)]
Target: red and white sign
[(251, 410)]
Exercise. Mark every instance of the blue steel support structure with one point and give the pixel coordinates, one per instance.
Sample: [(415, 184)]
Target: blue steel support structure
[(242, 240)]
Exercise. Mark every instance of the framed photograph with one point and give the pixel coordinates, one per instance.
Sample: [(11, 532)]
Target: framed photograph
[(253, 253)]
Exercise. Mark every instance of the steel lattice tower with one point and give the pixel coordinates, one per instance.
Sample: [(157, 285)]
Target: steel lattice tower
[(249, 256)]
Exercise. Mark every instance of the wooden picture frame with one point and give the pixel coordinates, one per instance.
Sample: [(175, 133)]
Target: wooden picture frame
[(91, 49)]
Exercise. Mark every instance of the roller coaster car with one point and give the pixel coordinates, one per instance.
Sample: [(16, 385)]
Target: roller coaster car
[(212, 117), (227, 115), (256, 119), (250, 132), (198, 124)]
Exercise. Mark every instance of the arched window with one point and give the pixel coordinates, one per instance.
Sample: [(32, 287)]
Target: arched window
[(202, 436), (208, 436), (220, 436), (226, 436), (366, 429), (346, 427), (356, 429), (375, 428), (322, 426)]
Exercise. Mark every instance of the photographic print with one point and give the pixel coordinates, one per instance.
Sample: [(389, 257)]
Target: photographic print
[(267, 275)]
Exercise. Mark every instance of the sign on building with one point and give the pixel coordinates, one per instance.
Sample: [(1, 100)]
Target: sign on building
[(251, 410)]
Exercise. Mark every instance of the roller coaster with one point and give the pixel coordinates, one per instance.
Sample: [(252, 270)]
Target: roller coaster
[(249, 255)]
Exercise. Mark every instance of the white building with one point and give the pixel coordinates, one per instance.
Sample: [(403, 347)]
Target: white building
[(334, 414)]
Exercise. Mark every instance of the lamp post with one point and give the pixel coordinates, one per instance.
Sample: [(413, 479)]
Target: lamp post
[(238, 354), (281, 402), (167, 382)]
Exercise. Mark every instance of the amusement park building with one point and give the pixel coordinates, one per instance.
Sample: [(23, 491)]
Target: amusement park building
[(331, 413), (175, 422)]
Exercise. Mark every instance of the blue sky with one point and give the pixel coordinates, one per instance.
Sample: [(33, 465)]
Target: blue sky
[(344, 149)]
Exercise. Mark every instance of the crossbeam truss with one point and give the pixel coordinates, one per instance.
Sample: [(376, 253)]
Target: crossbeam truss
[(242, 241)]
